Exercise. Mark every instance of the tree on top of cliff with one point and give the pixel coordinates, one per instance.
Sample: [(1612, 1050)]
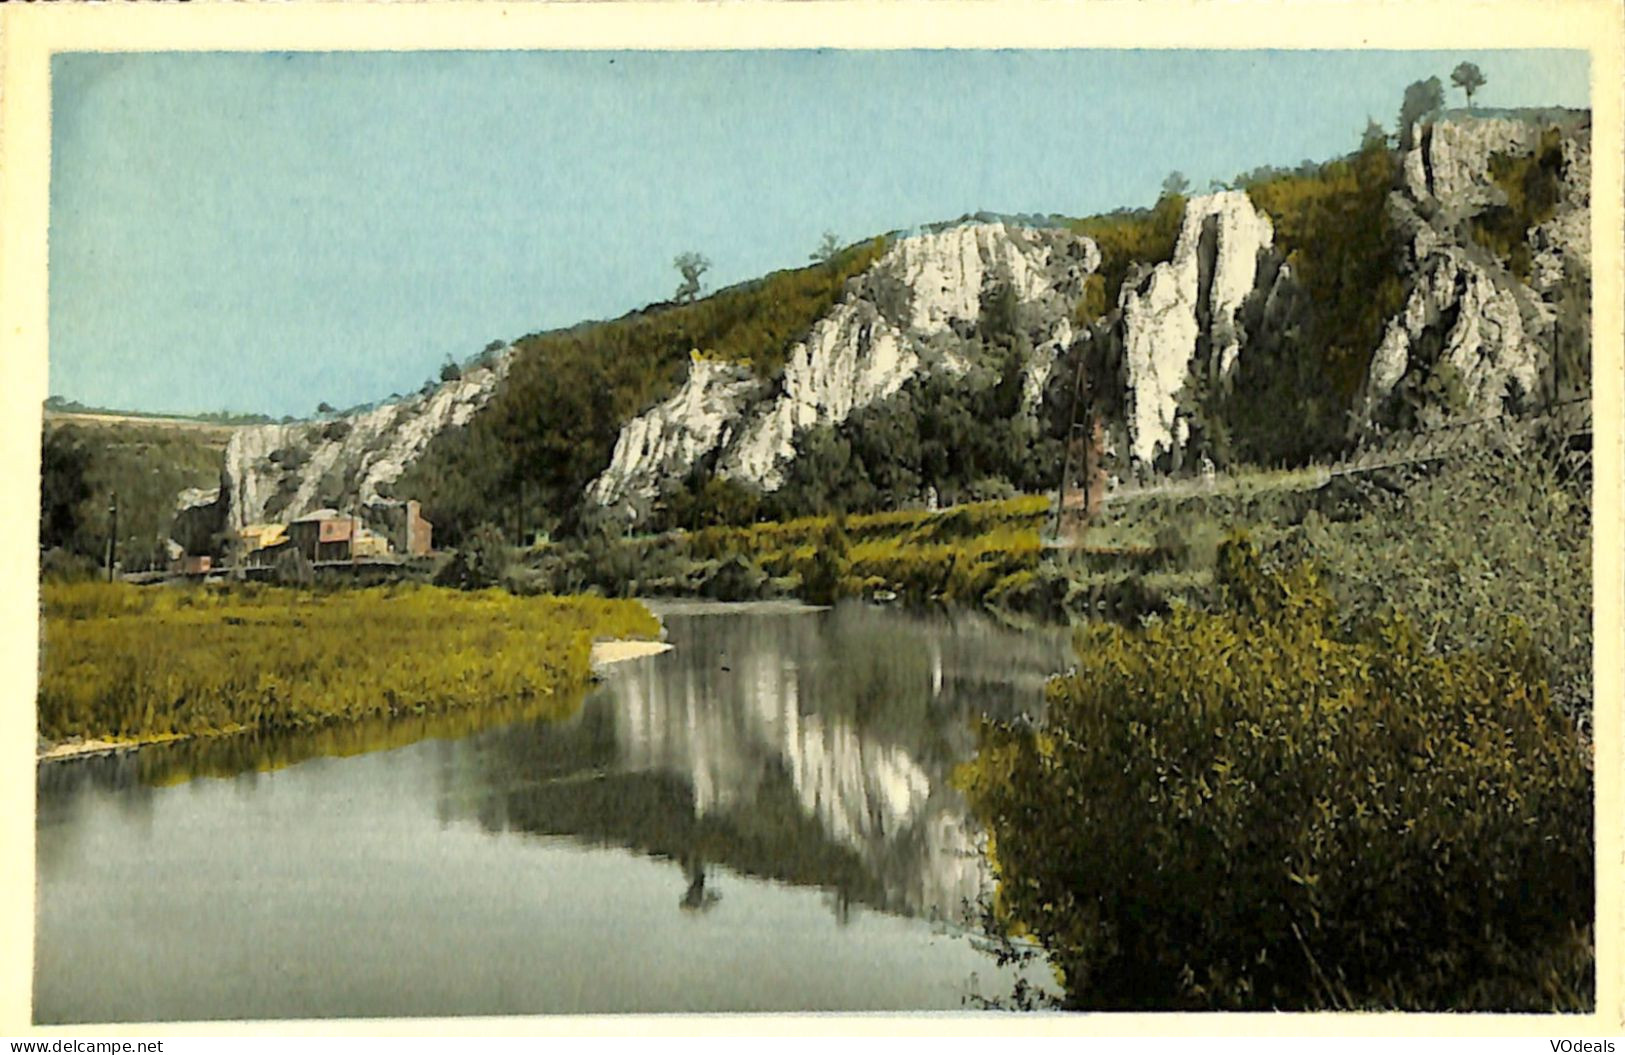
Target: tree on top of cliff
[(828, 249), (1374, 136), (1175, 185), (1422, 99), (691, 266), (1469, 78)]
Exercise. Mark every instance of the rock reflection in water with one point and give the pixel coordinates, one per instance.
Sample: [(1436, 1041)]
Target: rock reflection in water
[(814, 749)]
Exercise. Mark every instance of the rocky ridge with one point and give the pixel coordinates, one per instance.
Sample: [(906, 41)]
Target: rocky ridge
[(1474, 326), (1470, 324), (279, 472), (897, 319), (1184, 309)]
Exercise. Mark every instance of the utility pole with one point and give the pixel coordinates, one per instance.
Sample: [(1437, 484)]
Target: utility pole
[(1072, 431), (112, 532)]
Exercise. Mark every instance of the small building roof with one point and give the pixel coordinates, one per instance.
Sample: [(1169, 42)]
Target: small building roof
[(263, 535), (319, 514)]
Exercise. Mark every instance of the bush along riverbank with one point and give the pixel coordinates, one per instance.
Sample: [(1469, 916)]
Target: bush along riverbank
[(959, 555), (126, 664), (1264, 807)]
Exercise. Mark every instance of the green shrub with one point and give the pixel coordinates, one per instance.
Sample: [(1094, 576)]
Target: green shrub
[(60, 565), (1494, 535), (1249, 809), (1533, 187), (483, 561), (292, 568)]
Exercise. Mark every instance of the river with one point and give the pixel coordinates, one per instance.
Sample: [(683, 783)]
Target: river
[(762, 819)]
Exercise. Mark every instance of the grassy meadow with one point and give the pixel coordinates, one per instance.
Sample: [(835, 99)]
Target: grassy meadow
[(125, 663)]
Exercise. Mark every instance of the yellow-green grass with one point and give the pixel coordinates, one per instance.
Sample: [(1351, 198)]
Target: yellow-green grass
[(957, 554), (905, 526), (127, 664)]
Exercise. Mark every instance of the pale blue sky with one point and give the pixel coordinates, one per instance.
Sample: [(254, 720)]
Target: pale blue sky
[(268, 231)]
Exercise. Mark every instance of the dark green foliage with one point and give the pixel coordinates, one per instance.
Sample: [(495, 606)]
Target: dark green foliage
[(1533, 185), (147, 465), (450, 371), (62, 565), (692, 266), (1263, 810), (552, 425), (1293, 393), (292, 568), (1469, 78), (289, 459), (1373, 136), (483, 561), (703, 502), (1422, 99), (64, 490), (829, 247), (822, 570)]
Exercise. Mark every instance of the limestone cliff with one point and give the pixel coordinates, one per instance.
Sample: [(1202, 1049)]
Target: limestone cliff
[(1490, 215), (278, 472), (1185, 310), (900, 317), (1494, 211), (1483, 244)]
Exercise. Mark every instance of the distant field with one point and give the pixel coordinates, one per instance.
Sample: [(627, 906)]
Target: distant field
[(88, 419)]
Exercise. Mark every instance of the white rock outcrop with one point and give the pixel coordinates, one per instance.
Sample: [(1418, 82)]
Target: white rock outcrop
[(277, 472), (1450, 163), (1183, 302), (945, 272), (666, 441), (1486, 343), (1465, 309), (1042, 363), (852, 357), (893, 321)]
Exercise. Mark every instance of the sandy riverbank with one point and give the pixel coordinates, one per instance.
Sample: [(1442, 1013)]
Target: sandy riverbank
[(607, 652), (83, 748)]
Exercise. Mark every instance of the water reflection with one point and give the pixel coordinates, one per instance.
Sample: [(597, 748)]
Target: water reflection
[(814, 749), (811, 750)]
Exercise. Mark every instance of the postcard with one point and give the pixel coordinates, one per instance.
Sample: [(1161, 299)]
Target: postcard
[(554, 512)]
